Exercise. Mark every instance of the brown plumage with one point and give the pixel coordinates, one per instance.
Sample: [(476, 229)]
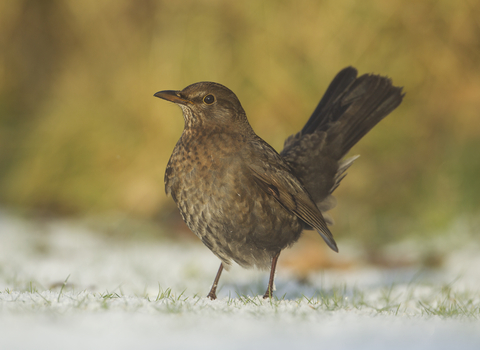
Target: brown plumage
[(245, 201)]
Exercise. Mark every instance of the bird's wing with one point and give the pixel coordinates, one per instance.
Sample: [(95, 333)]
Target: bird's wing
[(289, 192)]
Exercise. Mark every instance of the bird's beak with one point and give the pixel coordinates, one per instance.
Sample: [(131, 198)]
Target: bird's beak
[(172, 96)]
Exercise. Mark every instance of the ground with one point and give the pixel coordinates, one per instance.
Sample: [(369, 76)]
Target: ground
[(63, 286)]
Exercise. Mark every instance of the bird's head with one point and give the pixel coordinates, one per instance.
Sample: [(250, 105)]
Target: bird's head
[(207, 104)]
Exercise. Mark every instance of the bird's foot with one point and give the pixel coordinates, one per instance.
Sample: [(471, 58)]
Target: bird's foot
[(212, 295)]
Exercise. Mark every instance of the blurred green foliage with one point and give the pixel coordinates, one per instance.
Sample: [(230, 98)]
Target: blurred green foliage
[(81, 133)]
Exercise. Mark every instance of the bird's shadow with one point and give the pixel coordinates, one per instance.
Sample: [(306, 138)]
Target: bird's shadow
[(285, 289), (294, 289)]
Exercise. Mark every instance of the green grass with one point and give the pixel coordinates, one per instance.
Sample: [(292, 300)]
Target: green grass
[(413, 301)]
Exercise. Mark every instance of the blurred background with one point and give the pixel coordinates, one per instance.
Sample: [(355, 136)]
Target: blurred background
[(83, 138)]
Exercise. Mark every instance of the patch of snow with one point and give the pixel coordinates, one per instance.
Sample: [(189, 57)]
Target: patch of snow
[(113, 298)]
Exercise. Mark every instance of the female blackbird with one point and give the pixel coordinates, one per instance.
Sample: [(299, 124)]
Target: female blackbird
[(245, 201)]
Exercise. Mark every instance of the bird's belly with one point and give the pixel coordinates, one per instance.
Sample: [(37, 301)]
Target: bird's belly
[(233, 216)]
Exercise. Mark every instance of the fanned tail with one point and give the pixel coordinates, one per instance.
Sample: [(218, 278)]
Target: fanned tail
[(350, 108)]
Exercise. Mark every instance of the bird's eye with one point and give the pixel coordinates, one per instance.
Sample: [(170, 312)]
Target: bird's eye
[(209, 99)]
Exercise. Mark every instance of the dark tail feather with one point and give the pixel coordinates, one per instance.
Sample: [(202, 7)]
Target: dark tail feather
[(351, 107), (319, 118), (368, 100)]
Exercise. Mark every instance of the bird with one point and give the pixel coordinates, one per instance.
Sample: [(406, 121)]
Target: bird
[(243, 199)]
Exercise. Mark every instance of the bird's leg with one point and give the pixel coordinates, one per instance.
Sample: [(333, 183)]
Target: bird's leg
[(213, 291), (268, 293)]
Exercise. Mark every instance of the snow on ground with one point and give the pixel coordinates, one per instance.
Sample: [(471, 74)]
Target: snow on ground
[(150, 295)]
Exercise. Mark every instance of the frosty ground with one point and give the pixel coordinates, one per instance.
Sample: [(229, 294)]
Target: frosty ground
[(63, 286)]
